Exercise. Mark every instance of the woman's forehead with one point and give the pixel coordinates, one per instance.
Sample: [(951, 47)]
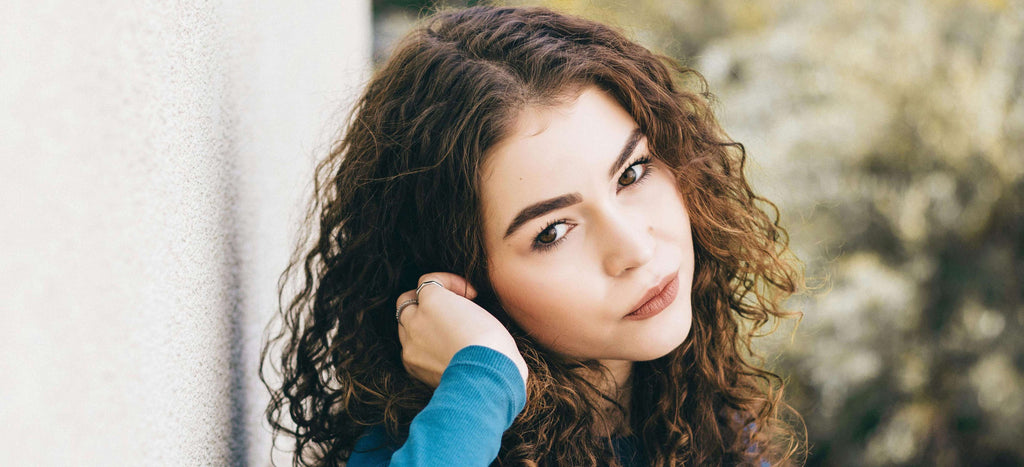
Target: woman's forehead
[(579, 130), (551, 151)]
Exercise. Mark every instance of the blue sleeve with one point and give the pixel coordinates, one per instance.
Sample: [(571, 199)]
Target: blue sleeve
[(480, 394), (753, 449)]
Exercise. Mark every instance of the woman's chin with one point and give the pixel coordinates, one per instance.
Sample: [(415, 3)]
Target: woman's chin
[(667, 334)]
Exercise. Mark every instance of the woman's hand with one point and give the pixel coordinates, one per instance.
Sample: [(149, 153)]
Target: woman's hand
[(444, 322)]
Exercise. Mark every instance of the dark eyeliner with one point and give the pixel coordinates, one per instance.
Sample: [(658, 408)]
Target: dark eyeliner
[(644, 160), (538, 246)]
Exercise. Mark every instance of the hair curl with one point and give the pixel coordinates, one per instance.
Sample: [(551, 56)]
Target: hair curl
[(398, 197)]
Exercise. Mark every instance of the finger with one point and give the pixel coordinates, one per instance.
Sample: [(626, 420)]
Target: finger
[(452, 282), (403, 335), (407, 295), (404, 306)]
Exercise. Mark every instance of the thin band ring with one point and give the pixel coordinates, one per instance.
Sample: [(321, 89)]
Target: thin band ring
[(398, 311), (424, 284)]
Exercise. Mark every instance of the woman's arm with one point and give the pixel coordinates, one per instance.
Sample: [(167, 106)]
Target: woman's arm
[(480, 393), (450, 343)]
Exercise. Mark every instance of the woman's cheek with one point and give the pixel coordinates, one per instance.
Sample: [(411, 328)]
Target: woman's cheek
[(533, 293)]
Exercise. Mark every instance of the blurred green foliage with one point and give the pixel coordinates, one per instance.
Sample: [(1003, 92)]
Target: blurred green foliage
[(892, 137)]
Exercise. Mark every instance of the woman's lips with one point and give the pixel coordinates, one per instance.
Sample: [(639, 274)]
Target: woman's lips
[(659, 301)]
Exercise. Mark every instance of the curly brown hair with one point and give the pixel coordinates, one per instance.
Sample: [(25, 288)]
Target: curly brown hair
[(398, 197)]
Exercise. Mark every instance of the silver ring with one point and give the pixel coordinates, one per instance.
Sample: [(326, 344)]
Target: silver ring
[(424, 284), (398, 311)]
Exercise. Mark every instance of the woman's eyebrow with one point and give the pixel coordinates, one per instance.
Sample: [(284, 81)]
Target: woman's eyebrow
[(539, 209), (627, 150)]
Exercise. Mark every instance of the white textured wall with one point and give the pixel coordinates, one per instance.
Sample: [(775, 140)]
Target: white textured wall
[(152, 160)]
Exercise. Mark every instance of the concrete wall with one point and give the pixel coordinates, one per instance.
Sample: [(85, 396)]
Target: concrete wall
[(154, 159)]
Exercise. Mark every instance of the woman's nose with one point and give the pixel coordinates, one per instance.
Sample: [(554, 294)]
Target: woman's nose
[(628, 243)]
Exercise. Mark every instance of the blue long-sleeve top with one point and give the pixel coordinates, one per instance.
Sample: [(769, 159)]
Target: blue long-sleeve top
[(480, 394)]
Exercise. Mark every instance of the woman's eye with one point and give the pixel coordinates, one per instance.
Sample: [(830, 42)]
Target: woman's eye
[(632, 174), (552, 233)]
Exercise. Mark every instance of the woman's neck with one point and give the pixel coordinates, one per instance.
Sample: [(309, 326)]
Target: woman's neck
[(615, 422)]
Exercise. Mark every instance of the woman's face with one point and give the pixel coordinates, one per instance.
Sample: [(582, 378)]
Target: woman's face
[(582, 228)]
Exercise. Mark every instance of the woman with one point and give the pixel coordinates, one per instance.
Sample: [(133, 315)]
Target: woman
[(534, 246)]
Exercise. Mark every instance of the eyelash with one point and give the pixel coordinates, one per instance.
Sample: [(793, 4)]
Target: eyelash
[(642, 160), (539, 246)]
